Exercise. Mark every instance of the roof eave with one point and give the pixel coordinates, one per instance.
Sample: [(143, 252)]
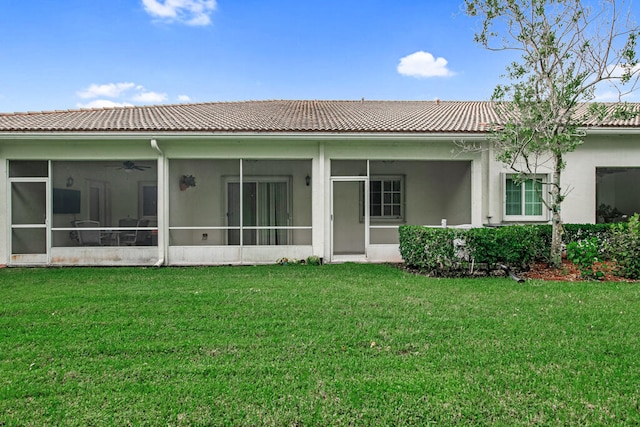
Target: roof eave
[(238, 135), (613, 130)]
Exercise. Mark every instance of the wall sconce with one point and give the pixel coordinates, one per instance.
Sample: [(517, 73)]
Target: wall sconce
[(70, 181), (187, 181), (307, 180)]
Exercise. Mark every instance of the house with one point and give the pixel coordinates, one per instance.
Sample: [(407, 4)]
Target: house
[(252, 182)]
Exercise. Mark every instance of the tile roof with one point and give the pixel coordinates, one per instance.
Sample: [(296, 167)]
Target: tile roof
[(271, 116)]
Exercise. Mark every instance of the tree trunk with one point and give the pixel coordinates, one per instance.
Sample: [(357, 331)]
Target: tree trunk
[(555, 257)]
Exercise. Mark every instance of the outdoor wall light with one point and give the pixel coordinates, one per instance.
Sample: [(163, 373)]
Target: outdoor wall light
[(187, 181), (307, 180)]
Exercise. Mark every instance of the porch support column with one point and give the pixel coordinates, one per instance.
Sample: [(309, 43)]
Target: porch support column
[(162, 208), (319, 191), (488, 206), (4, 213), (477, 192)]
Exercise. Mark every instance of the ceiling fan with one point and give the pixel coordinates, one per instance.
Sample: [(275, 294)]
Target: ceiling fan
[(129, 166)]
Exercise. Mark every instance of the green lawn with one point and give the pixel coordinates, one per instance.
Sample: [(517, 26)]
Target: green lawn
[(301, 345)]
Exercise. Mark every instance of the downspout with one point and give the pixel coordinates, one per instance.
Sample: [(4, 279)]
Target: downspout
[(491, 210), (161, 193)]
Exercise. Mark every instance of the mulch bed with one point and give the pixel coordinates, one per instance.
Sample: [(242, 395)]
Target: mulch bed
[(569, 272)]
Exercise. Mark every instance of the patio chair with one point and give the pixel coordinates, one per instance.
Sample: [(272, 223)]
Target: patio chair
[(89, 237), (132, 237)]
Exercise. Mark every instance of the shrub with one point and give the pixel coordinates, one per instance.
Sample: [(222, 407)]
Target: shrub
[(310, 260), (514, 245), (483, 245), (429, 249), (313, 260), (625, 248), (575, 233), (289, 261), (584, 254), (440, 250), (600, 233), (446, 249)]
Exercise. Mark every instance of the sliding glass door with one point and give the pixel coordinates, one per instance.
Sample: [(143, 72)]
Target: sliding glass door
[(260, 212)]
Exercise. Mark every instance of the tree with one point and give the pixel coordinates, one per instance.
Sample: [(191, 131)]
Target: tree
[(567, 49)]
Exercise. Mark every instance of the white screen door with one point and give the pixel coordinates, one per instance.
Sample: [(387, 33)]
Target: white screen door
[(349, 219), (29, 214)]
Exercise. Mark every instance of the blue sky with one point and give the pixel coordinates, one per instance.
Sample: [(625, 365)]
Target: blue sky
[(93, 53)]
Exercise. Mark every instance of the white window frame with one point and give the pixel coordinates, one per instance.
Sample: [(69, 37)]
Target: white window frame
[(382, 217), (544, 216)]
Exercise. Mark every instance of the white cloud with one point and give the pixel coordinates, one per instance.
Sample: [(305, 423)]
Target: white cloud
[(423, 64), (190, 12), (103, 103), (610, 93), (121, 94), (149, 97), (184, 98), (617, 71), (110, 90)]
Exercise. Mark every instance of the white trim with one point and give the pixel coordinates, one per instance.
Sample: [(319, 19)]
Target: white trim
[(522, 218), (35, 258), (318, 202), (356, 257), (325, 136), (162, 223)]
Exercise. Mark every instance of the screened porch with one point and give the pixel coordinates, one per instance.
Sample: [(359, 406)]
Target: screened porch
[(372, 199), (237, 210)]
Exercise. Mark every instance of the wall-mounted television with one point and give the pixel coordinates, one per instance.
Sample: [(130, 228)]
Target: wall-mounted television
[(66, 201)]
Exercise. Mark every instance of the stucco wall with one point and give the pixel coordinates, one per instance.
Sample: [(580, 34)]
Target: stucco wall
[(597, 151), (579, 177), (4, 218)]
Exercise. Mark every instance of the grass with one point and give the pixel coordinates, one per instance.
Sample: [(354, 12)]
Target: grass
[(299, 345)]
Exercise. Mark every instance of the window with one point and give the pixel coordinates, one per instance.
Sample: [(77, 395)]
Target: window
[(523, 200), (386, 197)]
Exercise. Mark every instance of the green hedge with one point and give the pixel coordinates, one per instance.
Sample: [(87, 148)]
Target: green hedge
[(445, 249), (516, 246), (625, 248), (427, 248), (579, 232)]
